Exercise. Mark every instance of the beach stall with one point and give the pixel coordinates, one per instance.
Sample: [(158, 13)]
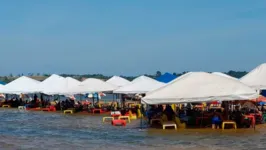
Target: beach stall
[(256, 78), (23, 85), (136, 90), (92, 85), (166, 78), (196, 87), (118, 81), (53, 85)]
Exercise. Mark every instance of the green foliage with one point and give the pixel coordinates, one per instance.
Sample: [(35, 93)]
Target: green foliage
[(236, 74), (158, 74), (7, 79)]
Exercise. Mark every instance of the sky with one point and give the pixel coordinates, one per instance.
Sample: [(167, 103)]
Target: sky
[(121, 37)]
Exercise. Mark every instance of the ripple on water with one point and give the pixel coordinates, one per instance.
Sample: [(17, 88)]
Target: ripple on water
[(42, 130)]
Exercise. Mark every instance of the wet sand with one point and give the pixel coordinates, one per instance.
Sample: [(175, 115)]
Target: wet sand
[(44, 130)]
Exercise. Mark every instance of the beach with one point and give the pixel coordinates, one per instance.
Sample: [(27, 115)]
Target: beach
[(42, 130)]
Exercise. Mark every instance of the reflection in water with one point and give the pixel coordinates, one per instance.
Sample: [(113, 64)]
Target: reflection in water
[(42, 130)]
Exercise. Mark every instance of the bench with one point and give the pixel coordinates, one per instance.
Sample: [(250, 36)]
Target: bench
[(169, 124), (229, 122), (124, 117), (104, 118), (68, 112), (21, 107), (6, 106)]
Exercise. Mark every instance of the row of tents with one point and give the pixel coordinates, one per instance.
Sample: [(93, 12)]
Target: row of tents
[(57, 85), (190, 87)]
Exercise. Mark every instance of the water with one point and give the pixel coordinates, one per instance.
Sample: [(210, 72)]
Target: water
[(44, 130)]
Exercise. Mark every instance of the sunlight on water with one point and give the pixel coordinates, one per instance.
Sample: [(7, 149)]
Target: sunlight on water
[(43, 130)]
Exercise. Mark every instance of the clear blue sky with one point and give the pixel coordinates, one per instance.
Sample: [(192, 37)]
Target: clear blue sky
[(115, 37)]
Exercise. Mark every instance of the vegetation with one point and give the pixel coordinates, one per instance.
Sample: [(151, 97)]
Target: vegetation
[(38, 76)]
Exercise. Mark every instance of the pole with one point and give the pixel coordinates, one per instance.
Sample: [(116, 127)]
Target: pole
[(141, 127), (255, 114)]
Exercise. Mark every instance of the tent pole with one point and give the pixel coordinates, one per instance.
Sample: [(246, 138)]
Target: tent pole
[(255, 112), (141, 121)]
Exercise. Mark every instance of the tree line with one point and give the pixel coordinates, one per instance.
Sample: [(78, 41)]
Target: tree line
[(39, 76)]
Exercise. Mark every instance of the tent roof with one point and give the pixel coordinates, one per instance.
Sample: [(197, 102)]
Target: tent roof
[(141, 84), (256, 78), (91, 85), (140, 78), (72, 82), (21, 85), (53, 85), (1, 87), (166, 78), (200, 87), (118, 81), (224, 75)]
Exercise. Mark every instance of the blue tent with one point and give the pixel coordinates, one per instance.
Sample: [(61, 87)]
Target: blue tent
[(167, 77), (263, 93), (3, 83)]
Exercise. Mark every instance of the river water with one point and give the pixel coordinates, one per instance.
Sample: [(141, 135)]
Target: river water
[(44, 130)]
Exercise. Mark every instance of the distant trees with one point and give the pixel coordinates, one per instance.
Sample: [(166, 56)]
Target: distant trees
[(10, 77), (236, 74), (158, 74)]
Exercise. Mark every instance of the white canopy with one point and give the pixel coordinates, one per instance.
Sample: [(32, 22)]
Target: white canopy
[(224, 75), (200, 87), (1, 87), (140, 85), (71, 82), (141, 78), (53, 85), (256, 78), (91, 85), (23, 85), (118, 81)]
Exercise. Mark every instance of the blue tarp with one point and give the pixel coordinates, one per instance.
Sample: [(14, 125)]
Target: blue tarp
[(3, 83), (167, 77), (263, 93)]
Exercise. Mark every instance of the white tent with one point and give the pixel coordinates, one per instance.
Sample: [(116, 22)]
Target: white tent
[(118, 81), (1, 87), (53, 85), (71, 82), (224, 75), (200, 87), (23, 85), (140, 85), (91, 85), (141, 78), (256, 78)]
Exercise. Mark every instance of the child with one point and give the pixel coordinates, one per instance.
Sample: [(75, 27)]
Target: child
[(216, 121)]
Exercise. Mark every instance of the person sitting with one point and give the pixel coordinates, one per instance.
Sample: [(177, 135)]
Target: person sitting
[(216, 121), (169, 113), (237, 116)]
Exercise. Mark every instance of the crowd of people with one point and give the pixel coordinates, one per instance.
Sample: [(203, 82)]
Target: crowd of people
[(208, 116)]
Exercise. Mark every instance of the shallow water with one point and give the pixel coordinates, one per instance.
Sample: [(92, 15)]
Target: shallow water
[(43, 130)]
